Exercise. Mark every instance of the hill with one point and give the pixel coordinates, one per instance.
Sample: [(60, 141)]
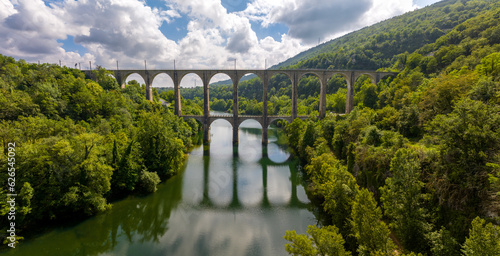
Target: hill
[(415, 167), (373, 47)]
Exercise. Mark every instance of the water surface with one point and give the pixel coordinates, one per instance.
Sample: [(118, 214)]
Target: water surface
[(232, 202)]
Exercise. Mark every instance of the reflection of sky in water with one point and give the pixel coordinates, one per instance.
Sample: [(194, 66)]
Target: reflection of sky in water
[(250, 187), (179, 220), (278, 186)]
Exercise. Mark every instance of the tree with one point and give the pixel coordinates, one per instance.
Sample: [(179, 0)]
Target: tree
[(490, 66), (308, 139), (148, 181), (484, 239), (294, 132), (105, 79), (469, 138), (319, 241), (371, 233), (162, 152), (127, 167), (402, 199)]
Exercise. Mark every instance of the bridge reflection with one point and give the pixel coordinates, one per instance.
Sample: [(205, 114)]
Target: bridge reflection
[(236, 203)]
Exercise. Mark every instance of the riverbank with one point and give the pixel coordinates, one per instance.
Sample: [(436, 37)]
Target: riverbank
[(220, 204)]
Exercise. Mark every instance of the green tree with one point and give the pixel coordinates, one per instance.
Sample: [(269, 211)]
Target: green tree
[(308, 139), (318, 241), (402, 198), (484, 239), (161, 151), (127, 166), (490, 66), (469, 138), (371, 233)]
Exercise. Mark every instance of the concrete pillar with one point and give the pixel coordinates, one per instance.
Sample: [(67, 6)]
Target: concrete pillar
[(349, 105), (295, 81), (377, 78), (235, 110), (206, 110), (322, 98), (119, 79), (264, 109), (177, 95), (149, 87)]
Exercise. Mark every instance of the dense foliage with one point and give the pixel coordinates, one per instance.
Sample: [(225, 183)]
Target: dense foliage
[(415, 167), (80, 143)]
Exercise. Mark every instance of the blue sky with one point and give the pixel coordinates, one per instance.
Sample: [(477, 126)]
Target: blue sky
[(194, 33)]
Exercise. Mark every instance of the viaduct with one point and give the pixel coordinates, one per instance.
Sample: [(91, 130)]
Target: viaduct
[(235, 75)]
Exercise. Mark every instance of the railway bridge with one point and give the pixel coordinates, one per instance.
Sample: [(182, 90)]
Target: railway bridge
[(235, 75)]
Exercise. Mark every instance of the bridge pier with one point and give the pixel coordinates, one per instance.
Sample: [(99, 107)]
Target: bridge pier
[(322, 97), (235, 113), (206, 132), (295, 81), (177, 95), (149, 87), (349, 104), (264, 135), (265, 83)]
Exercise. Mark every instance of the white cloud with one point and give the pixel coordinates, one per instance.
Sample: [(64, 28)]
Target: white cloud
[(6, 9), (128, 31), (385, 9), (309, 20)]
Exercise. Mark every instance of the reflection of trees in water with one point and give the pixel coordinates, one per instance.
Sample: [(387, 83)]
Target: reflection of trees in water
[(278, 133), (143, 219), (235, 203)]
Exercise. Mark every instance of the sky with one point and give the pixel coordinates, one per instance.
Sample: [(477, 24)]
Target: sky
[(197, 34)]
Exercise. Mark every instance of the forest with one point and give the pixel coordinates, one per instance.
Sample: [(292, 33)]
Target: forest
[(415, 170), (81, 144)]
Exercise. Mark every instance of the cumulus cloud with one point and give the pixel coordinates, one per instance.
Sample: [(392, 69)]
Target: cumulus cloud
[(128, 31), (309, 20), (313, 19)]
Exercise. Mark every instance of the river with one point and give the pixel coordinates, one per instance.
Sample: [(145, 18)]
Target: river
[(224, 204)]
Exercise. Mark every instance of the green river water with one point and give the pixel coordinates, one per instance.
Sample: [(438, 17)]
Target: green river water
[(223, 204)]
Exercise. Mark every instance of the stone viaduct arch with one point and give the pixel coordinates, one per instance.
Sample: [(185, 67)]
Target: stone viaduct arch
[(235, 75)]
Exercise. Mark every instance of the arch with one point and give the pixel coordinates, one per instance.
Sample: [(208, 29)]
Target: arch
[(134, 76), (199, 119), (164, 85), (271, 120), (336, 93), (232, 75), (252, 92), (244, 119), (305, 96), (212, 120), (309, 72), (280, 72), (221, 96), (275, 102), (382, 75), (365, 93), (163, 78), (249, 72), (372, 76), (196, 79)]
